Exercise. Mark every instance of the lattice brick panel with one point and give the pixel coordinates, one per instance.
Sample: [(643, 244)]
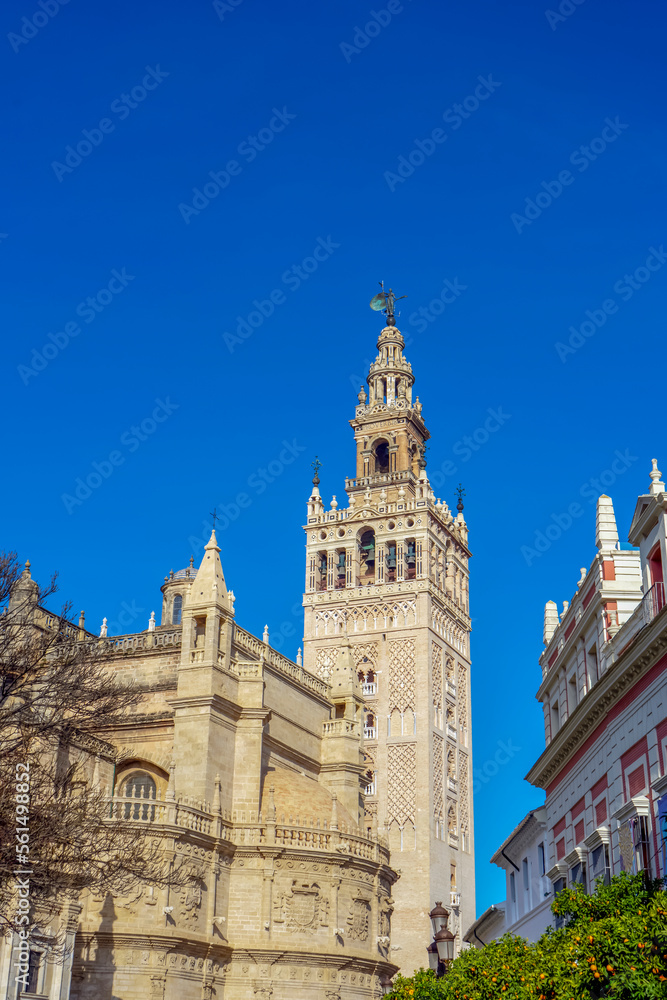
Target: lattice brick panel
[(401, 675), (436, 668), (463, 792), (401, 781), (438, 776), (462, 692), (368, 650), (324, 662)]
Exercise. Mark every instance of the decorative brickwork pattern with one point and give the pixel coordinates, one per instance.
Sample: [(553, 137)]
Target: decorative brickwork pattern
[(462, 699), (462, 692), (369, 650), (464, 809), (401, 780), (324, 662), (368, 617), (436, 671), (438, 779), (401, 675), (449, 629)]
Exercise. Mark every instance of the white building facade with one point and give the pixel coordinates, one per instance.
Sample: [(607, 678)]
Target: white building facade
[(529, 895), (604, 695)]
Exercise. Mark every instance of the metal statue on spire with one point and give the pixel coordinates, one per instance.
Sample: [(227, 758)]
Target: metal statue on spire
[(316, 466), (460, 492), (384, 302)]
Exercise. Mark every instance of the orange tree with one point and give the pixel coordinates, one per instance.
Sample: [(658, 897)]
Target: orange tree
[(613, 944)]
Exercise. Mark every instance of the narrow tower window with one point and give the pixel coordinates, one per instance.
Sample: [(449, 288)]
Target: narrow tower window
[(391, 562), (177, 610), (367, 557), (382, 457)]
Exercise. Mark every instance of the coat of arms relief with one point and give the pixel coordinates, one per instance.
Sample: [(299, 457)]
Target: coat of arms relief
[(303, 910), (359, 919)]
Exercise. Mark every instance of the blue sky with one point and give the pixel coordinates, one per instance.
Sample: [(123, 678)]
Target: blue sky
[(534, 200)]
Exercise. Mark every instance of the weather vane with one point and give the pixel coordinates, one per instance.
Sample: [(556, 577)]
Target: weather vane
[(460, 492), (316, 466), (384, 302)]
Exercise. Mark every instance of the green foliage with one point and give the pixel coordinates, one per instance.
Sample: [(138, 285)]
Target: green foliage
[(613, 945)]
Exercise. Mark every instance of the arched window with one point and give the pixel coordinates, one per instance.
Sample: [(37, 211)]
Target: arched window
[(140, 786), (382, 457), (367, 557), (177, 610)]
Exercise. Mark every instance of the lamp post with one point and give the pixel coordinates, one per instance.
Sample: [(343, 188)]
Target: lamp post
[(386, 985), (441, 949)]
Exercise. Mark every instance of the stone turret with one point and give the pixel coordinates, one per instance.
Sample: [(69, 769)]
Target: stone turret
[(606, 532), (342, 753), (550, 621), (25, 593)]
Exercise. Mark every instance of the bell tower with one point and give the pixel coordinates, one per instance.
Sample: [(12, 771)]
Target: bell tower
[(388, 577)]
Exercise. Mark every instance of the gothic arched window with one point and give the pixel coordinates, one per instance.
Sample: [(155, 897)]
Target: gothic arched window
[(177, 610)]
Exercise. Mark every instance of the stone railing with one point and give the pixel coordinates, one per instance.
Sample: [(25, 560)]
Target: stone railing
[(317, 836), (338, 727), (141, 641), (184, 813), (251, 644), (381, 478)]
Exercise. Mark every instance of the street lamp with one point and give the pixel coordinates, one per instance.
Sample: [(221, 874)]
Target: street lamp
[(386, 985), (441, 950)]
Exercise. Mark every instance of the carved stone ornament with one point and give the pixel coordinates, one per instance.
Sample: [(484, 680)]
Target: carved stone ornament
[(157, 987), (384, 916), (358, 919), (262, 991), (303, 910), (191, 899)]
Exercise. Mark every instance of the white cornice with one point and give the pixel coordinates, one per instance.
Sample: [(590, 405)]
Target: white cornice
[(597, 837), (639, 806), (635, 661)]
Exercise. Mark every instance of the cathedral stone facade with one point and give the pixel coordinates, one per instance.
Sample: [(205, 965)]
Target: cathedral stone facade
[(295, 793), (389, 575)]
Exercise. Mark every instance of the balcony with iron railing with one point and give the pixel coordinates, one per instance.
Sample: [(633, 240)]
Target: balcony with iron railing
[(653, 602), (618, 636)]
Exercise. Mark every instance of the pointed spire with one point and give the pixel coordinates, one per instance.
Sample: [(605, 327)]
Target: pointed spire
[(265, 635), (606, 532), (103, 629), (151, 622), (299, 657), (550, 621), (210, 581), (657, 486)]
